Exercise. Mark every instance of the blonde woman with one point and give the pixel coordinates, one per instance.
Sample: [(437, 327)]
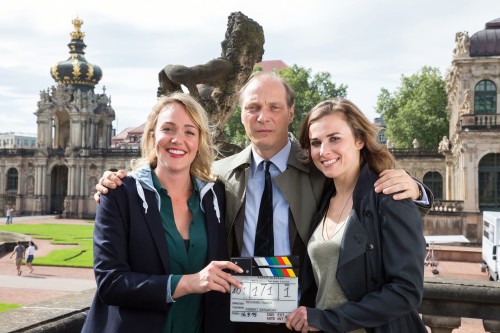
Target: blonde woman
[(159, 240)]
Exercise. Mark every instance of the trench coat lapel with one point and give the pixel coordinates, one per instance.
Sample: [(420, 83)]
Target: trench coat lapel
[(239, 211), (235, 186), (354, 241), (297, 189)]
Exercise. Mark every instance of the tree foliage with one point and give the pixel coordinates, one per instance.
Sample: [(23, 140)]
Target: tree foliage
[(234, 131), (309, 89), (416, 110)]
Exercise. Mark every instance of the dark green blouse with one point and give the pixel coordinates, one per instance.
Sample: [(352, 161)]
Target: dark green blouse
[(186, 313)]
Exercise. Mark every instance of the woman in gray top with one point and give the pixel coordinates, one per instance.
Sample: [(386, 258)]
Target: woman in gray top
[(365, 266)]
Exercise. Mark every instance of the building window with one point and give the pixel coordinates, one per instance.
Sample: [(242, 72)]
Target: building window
[(489, 182), (485, 98), (12, 177), (434, 181), (381, 137)]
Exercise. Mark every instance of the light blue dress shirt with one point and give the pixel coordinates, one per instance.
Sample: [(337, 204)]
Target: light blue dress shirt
[(255, 187)]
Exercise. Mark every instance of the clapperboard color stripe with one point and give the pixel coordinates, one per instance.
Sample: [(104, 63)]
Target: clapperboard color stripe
[(285, 266)]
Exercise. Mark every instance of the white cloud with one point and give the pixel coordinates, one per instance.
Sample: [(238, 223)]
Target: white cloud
[(364, 44)]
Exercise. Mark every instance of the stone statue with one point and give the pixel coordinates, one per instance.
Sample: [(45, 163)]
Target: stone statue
[(416, 144), (62, 94), (77, 98), (444, 145), (466, 104), (389, 144), (451, 78), (462, 43), (44, 96), (215, 84), (30, 187)]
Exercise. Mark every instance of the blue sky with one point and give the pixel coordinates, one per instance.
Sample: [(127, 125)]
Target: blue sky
[(364, 44)]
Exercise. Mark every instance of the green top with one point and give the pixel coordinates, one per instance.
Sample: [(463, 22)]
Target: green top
[(186, 314)]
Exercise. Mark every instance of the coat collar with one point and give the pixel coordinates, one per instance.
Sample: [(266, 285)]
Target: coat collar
[(244, 158), (364, 186)]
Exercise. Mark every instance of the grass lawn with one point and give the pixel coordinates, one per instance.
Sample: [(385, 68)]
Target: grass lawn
[(60, 234), (7, 306)]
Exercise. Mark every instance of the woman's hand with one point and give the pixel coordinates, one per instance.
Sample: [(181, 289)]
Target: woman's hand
[(297, 320), (210, 278)]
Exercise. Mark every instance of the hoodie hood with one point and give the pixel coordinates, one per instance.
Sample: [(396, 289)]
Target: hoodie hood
[(144, 180)]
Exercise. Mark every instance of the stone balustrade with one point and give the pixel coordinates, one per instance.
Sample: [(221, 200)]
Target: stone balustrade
[(445, 302), (480, 122), (447, 206)]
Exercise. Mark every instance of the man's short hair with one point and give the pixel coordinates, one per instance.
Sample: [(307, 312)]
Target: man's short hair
[(290, 94)]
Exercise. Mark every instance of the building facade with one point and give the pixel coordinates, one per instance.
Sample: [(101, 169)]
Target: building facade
[(12, 140), (464, 171), (57, 174), (75, 142)]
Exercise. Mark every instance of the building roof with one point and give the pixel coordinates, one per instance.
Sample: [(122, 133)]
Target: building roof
[(271, 65), (486, 42), (137, 130), (123, 134)]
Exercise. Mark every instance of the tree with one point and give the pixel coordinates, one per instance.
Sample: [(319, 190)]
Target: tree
[(309, 91), (416, 110), (234, 131)]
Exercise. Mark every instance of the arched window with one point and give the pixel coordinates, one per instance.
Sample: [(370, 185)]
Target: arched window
[(489, 182), (12, 177), (485, 97), (434, 181)]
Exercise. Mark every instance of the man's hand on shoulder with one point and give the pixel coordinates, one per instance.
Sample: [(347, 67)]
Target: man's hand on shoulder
[(110, 179), (399, 183)]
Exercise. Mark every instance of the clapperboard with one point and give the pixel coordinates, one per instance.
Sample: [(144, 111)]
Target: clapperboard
[(270, 289)]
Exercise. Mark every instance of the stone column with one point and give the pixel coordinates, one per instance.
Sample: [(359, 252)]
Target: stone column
[(84, 133), (71, 180), (83, 187), (449, 179), (92, 135)]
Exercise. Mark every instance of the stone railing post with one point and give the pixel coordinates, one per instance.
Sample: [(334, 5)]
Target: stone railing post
[(446, 301), (492, 326), (441, 324)]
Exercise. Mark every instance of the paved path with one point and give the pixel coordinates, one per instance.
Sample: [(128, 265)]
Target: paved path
[(48, 282), (45, 282)]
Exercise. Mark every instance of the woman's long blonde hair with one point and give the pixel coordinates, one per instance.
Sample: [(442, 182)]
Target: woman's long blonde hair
[(374, 153), (201, 166)]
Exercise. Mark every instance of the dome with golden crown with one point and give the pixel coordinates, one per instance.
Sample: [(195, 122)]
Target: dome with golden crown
[(76, 70)]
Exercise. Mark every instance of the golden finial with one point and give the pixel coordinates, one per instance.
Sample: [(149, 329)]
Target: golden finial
[(77, 23), (77, 34)]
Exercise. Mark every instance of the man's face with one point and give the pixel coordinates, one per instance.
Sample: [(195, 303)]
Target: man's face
[(266, 115)]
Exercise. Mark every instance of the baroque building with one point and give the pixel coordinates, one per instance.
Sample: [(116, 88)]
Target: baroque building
[(464, 171), (75, 142), (72, 144)]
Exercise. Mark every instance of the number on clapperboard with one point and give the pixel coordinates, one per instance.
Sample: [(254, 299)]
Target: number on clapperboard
[(286, 291), (238, 291), (255, 289)]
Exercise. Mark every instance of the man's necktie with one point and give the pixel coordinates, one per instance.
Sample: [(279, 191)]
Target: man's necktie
[(264, 238)]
